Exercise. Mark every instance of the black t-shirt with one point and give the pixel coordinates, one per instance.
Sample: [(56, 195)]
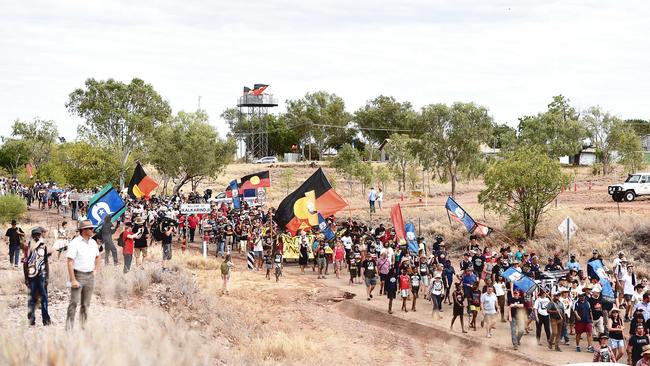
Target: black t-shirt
[(142, 241), (465, 264), (596, 308), (478, 261), (14, 238), (458, 300), (369, 268), (391, 283), (637, 343), (512, 300)]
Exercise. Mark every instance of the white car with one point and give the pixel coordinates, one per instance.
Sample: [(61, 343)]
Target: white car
[(267, 160), (637, 184), (252, 201)]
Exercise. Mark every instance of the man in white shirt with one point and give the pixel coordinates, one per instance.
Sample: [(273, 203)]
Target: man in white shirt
[(83, 259), (489, 306)]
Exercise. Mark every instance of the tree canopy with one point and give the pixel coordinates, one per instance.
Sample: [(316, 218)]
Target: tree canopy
[(522, 185), (118, 116), (452, 137), (192, 149)]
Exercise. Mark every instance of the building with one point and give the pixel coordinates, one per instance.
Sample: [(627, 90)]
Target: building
[(645, 142), (586, 156)]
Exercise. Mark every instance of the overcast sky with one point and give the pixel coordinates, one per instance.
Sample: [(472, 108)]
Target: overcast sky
[(510, 56)]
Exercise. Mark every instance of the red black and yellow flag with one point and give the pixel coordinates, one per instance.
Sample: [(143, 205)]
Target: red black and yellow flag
[(141, 184), (300, 209), (256, 180)]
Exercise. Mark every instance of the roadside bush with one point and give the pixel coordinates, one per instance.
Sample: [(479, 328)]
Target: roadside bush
[(11, 207)]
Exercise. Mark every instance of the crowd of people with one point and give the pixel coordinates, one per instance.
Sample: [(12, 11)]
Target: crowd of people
[(566, 302)]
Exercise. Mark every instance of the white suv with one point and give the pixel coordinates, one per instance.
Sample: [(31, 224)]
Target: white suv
[(637, 184), (267, 160)]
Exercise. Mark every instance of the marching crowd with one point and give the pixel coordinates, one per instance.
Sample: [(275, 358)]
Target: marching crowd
[(566, 303)]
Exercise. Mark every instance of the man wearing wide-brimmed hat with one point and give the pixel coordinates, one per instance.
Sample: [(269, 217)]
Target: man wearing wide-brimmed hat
[(36, 270), (83, 260)]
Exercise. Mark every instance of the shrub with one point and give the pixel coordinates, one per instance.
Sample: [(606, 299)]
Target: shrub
[(12, 207)]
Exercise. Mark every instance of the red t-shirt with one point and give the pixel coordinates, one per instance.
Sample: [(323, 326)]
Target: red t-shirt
[(192, 221), (404, 282), (128, 243)]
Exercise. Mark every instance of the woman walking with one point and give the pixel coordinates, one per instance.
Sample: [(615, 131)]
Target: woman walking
[(541, 316), (500, 291), (304, 254), (615, 325), (390, 288), (404, 286), (436, 290), (459, 301)]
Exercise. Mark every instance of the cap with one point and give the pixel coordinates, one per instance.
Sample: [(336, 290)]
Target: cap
[(37, 231), (13, 222), (645, 350), (603, 336), (85, 224)]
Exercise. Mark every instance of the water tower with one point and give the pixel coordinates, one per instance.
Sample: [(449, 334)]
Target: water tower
[(253, 106)]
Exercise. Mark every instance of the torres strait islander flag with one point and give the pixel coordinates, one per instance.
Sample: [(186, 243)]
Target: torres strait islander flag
[(141, 184), (299, 210)]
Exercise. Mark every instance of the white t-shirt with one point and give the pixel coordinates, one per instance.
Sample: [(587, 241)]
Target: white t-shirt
[(83, 253), (500, 289), (541, 304), (628, 288), (347, 242), (380, 196), (489, 303)]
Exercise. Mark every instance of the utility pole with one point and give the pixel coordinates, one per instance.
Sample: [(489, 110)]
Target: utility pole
[(199, 108)]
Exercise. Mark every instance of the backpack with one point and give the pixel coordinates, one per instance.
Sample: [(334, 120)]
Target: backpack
[(120, 240), (225, 269)]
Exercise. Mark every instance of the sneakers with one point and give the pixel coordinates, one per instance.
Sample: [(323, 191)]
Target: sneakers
[(557, 349), (590, 349), (578, 349)]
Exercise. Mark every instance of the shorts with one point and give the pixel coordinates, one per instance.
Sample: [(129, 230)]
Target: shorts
[(257, 253), (616, 343), (269, 265), (167, 251), (425, 280), (627, 297), (137, 251), (382, 277), (474, 308), (322, 262), (489, 318), (371, 281), (404, 293), (416, 291), (583, 327)]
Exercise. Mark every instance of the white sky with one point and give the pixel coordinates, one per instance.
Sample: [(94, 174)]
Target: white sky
[(510, 56)]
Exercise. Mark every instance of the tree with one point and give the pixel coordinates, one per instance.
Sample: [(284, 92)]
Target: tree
[(522, 185), (557, 130), (190, 149), (40, 136), (629, 149), (286, 179), (14, 154), (503, 137), (400, 149), (118, 116), (364, 172), (452, 137), (414, 175), (383, 175), (602, 130), (641, 127), (380, 117), (319, 117), (346, 162), (81, 165)]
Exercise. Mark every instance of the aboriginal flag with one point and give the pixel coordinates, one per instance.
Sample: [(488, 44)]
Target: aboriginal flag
[(246, 90), (256, 180), (141, 184), (299, 210)]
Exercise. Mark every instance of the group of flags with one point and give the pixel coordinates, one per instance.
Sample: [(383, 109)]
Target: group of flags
[(257, 89), (247, 186)]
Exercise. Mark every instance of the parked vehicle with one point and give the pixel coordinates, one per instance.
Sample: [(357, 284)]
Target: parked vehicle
[(637, 184), (258, 200), (267, 160)]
